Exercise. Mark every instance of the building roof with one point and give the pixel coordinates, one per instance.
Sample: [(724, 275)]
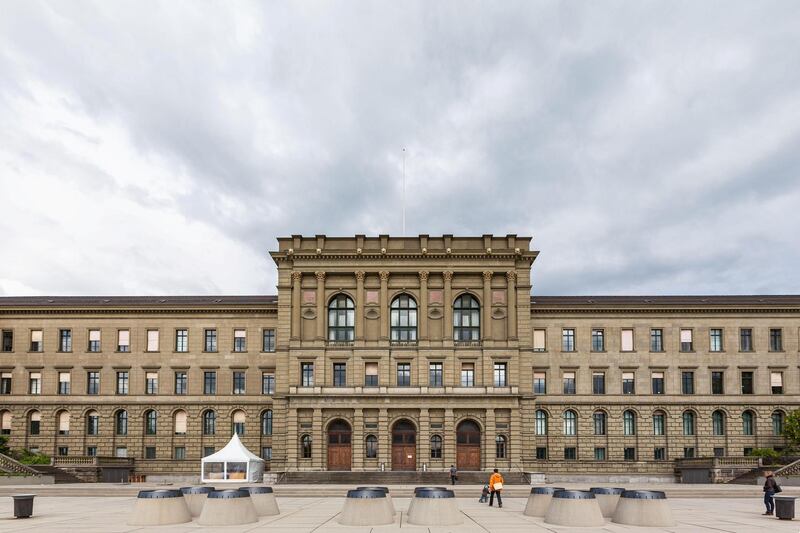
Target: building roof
[(665, 301), (136, 301)]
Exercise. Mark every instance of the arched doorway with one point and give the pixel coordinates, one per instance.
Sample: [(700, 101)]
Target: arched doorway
[(340, 449), (468, 445), (404, 445)]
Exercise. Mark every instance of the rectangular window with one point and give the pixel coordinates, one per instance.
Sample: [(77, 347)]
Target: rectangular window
[(775, 340), (239, 340), (599, 454), (403, 374), (121, 451), (539, 337), (210, 340), (267, 383), (8, 340), (630, 454), (93, 382), (776, 382), (181, 340), (568, 340), (339, 374), (717, 382), (746, 340), (123, 340), (747, 383), (181, 383), (656, 340), (307, 374), (122, 383), (36, 340), (94, 340), (598, 340), (569, 382), (599, 419), (266, 453), (541, 453), (627, 340), (540, 383), (150, 452), (657, 379), (628, 383), (269, 341), (5, 383), (208, 450), (598, 382), (467, 374), (63, 450), (151, 383), (500, 377), (687, 382), (180, 453), (660, 454), (152, 340), (239, 382), (715, 340), (570, 453), (209, 382), (370, 374), (35, 383), (686, 340), (435, 375), (65, 340), (91, 451), (64, 379), (719, 452), (658, 424)]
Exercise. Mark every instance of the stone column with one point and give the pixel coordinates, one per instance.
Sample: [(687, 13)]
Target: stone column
[(486, 332), (320, 305), (424, 438), (515, 447), (319, 444), (292, 441), (511, 277), (422, 316), (449, 438), (357, 443), (384, 440), (448, 306), (297, 278), (360, 305), (489, 433), (384, 275)]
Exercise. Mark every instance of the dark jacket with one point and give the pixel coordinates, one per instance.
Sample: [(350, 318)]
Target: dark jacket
[(770, 485)]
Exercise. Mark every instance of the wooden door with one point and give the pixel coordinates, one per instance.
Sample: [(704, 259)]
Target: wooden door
[(404, 446), (340, 451), (468, 446)]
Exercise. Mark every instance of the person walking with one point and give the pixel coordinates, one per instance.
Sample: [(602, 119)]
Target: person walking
[(453, 474), (770, 489), (495, 487)]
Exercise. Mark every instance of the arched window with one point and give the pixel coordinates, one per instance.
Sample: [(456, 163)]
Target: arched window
[(500, 447), (599, 422), (35, 419), (63, 423), (718, 422), (404, 318), (747, 423), (688, 423), (777, 423), (629, 422), (659, 423), (121, 422), (266, 422), (570, 423), (209, 423), (341, 318), (5, 423), (371, 447), (151, 422), (541, 422), (180, 422), (305, 446), (436, 447), (466, 318), (238, 422), (92, 423)]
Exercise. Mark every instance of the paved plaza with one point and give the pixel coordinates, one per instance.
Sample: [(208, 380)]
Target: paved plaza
[(90, 514)]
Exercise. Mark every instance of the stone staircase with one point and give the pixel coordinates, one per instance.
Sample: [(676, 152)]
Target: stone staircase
[(12, 466), (396, 478), (792, 469), (59, 475)]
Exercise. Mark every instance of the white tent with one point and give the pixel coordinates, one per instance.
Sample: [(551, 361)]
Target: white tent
[(233, 463)]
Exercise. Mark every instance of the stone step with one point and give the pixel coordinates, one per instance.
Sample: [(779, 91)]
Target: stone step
[(59, 475), (397, 478)]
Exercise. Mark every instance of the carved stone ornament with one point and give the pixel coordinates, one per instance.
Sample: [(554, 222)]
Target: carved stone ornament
[(372, 313), (360, 275), (384, 275), (498, 313), (448, 275), (435, 313), (320, 276), (297, 276), (511, 276), (487, 276), (309, 313), (423, 275)]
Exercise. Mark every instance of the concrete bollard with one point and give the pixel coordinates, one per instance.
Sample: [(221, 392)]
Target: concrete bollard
[(195, 498), (607, 498), (366, 508), (389, 501), (643, 508), (230, 507), (416, 490), (434, 508), (263, 500), (539, 500), (160, 508), (577, 508)]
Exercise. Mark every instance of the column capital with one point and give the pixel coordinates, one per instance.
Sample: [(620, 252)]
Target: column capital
[(511, 276), (384, 275), (487, 275), (360, 274), (448, 275), (320, 275), (423, 275), (297, 275)]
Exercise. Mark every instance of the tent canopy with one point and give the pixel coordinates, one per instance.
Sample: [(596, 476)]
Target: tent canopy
[(233, 463)]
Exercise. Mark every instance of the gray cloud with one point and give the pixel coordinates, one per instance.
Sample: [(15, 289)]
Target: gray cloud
[(160, 147)]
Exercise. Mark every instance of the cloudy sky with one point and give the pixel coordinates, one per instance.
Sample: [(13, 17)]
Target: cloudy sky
[(160, 147)]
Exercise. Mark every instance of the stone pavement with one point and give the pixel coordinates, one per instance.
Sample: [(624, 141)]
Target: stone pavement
[(318, 515)]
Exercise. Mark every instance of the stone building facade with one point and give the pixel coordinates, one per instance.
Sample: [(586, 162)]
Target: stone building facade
[(387, 353)]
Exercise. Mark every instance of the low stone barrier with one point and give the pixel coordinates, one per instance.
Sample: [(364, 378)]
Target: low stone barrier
[(432, 507), (263, 500), (231, 507), (366, 507), (389, 501), (607, 498), (160, 508), (577, 508), (643, 508), (539, 501), (195, 498)]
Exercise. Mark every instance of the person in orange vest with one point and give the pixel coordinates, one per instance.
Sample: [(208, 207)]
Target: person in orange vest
[(495, 487)]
